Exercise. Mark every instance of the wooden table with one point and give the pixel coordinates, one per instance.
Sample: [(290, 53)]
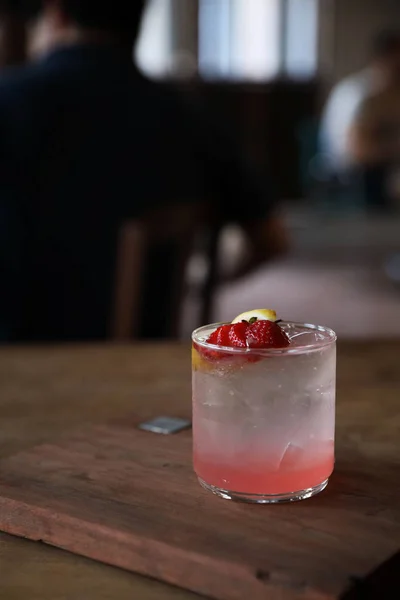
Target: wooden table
[(44, 391)]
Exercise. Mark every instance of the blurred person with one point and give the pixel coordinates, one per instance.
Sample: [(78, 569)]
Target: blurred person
[(375, 131), (348, 96), (374, 144), (374, 137), (85, 143)]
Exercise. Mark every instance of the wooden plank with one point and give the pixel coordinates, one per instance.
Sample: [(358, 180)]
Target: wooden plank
[(34, 571), (129, 498), (46, 391)]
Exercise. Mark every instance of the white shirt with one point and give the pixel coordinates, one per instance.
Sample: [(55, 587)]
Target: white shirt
[(340, 110)]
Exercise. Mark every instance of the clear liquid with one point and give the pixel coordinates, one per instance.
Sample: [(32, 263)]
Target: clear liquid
[(266, 427)]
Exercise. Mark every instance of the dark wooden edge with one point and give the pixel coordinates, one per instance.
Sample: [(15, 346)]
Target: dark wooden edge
[(39, 520), (381, 584)]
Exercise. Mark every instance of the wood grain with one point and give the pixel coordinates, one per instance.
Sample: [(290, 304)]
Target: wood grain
[(35, 571), (309, 550)]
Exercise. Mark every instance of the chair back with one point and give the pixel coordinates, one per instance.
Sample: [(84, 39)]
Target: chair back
[(152, 258)]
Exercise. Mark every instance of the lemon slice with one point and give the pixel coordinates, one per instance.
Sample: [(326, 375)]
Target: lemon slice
[(259, 314), (201, 364), (197, 361)]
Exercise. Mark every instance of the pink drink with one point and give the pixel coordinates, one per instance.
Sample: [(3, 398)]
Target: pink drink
[(263, 423)]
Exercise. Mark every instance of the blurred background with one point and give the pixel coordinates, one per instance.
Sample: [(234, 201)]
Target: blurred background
[(268, 66), (268, 71)]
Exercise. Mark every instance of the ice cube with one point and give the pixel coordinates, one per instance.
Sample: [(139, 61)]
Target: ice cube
[(291, 457)]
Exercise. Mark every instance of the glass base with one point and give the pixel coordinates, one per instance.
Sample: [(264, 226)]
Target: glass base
[(265, 498)]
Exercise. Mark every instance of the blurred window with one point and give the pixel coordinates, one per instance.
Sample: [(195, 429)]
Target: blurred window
[(300, 57), (237, 39), (251, 33), (153, 52)]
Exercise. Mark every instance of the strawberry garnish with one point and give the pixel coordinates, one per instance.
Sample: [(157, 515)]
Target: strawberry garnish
[(266, 334), (232, 336), (220, 337), (255, 334), (238, 335)]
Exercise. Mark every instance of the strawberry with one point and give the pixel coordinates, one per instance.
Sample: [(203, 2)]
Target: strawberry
[(238, 335), (231, 336), (266, 334), (245, 334), (220, 337)]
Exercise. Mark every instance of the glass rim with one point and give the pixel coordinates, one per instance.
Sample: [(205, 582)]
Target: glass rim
[(330, 340)]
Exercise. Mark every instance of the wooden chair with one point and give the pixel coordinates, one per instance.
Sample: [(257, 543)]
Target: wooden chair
[(12, 39), (211, 251), (175, 226)]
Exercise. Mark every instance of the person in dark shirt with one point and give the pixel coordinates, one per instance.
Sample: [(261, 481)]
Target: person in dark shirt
[(85, 142)]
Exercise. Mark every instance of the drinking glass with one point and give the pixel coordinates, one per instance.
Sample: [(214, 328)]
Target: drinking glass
[(264, 420)]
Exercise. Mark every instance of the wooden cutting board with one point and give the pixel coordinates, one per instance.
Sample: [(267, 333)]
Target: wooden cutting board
[(129, 498)]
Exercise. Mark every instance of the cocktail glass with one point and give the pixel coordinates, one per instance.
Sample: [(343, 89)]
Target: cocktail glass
[(264, 420)]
